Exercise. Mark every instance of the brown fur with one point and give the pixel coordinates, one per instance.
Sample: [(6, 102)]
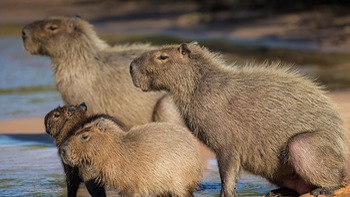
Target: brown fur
[(265, 119), (59, 123), (88, 69), (152, 159)]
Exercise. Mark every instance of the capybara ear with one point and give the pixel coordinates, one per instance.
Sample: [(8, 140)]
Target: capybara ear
[(71, 110), (102, 125), (72, 24), (184, 50), (194, 42), (83, 106)]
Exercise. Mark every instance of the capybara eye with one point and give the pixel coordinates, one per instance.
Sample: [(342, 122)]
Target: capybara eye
[(84, 137), (163, 57), (56, 115), (52, 27)]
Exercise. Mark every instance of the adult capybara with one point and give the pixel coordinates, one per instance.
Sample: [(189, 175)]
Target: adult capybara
[(158, 159), (265, 119), (58, 123), (88, 69)]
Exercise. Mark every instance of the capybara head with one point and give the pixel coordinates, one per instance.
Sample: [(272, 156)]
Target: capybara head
[(91, 140), (54, 35), (62, 119), (168, 66)]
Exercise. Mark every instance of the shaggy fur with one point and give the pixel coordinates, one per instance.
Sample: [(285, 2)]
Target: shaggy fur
[(159, 159), (265, 119), (88, 69), (58, 123)]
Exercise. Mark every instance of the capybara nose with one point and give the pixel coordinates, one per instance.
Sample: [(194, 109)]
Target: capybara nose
[(25, 32), (63, 150)]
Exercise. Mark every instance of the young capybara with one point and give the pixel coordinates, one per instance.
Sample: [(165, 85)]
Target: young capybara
[(88, 69), (158, 159), (265, 119), (58, 123)]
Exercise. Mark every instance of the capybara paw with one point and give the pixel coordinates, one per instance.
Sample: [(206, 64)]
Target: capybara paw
[(281, 192), (272, 194), (322, 191)]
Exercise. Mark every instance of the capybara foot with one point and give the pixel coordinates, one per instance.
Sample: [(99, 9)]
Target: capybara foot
[(281, 192), (323, 191)]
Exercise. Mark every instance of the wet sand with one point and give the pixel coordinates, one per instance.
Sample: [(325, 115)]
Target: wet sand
[(32, 125)]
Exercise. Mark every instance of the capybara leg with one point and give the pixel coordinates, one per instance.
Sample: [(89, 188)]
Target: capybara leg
[(282, 192), (95, 189), (72, 188), (317, 161), (73, 180), (166, 111), (228, 169)]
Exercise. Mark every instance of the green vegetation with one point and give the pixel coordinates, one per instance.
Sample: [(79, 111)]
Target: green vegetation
[(10, 29), (28, 90)]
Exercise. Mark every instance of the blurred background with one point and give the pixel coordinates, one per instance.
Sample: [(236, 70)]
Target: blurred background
[(312, 35)]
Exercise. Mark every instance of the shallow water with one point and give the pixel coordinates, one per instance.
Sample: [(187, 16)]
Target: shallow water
[(29, 165), (27, 86)]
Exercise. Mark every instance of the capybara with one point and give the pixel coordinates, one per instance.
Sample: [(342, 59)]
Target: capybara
[(88, 69), (158, 159), (58, 123), (266, 119)]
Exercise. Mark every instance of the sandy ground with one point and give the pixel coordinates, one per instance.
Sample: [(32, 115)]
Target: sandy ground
[(22, 126)]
